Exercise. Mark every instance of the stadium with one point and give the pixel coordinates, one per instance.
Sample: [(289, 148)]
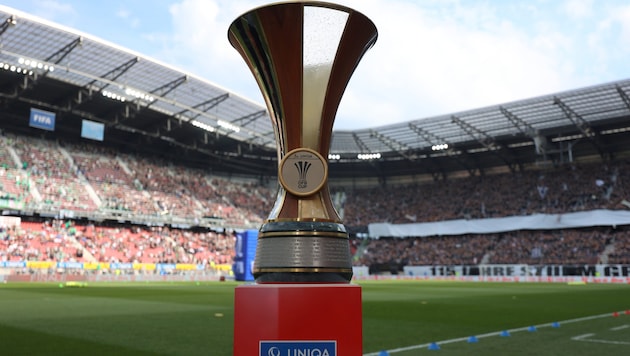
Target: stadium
[(125, 183)]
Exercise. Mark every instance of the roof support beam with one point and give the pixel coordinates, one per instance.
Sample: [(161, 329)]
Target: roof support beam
[(431, 138), (486, 141), (203, 107), (115, 73), (209, 104), (170, 86), (58, 56), (524, 127), (582, 125), (540, 142), (360, 143), (434, 140), (396, 146), (623, 96), (575, 118), (6, 24), (85, 93), (31, 80), (439, 171), (247, 119), (365, 149), (267, 139), (167, 88), (251, 117)]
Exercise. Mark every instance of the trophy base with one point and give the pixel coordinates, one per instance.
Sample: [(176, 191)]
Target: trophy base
[(302, 252), (301, 277)]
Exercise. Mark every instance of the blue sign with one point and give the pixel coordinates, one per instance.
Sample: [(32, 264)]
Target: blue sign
[(13, 264), (77, 265), (298, 348), (246, 242), (121, 265), (92, 130), (166, 266), (41, 119)]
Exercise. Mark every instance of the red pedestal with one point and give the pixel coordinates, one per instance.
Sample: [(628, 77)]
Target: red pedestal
[(298, 319)]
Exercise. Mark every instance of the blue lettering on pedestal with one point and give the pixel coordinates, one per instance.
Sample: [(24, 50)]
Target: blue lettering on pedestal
[(298, 348)]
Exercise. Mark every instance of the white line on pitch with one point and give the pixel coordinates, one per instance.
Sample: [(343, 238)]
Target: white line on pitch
[(621, 327), (450, 341), (582, 337), (586, 338)]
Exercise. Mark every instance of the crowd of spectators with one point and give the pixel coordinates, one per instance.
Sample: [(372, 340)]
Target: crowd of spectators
[(568, 246), (63, 241), (85, 177), (50, 241), (438, 250), (64, 175), (558, 247), (621, 252), (570, 188)]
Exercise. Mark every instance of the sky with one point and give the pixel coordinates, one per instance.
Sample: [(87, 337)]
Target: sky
[(432, 57)]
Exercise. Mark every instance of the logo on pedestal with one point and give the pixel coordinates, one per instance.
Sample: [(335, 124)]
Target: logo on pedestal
[(303, 172), (298, 348)]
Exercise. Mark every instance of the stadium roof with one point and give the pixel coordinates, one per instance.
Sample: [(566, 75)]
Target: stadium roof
[(99, 67), (150, 106)]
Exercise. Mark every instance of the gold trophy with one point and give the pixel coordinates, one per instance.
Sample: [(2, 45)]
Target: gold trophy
[(302, 55)]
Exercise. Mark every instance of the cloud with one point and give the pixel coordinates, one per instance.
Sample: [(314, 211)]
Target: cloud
[(431, 58), (126, 15), (622, 17), (54, 10), (578, 9), (429, 62), (199, 41)]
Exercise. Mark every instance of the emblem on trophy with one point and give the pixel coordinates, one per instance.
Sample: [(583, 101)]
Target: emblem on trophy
[(302, 168)]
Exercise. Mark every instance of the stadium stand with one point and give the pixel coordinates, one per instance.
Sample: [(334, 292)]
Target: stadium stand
[(569, 188), (65, 174), (59, 241)]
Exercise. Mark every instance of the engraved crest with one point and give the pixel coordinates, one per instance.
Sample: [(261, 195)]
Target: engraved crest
[(302, 168)]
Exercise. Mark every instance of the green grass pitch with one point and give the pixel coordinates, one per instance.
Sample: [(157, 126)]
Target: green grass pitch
[(402, 317)]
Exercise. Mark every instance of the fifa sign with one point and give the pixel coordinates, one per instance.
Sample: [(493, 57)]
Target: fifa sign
[(41, 119)]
